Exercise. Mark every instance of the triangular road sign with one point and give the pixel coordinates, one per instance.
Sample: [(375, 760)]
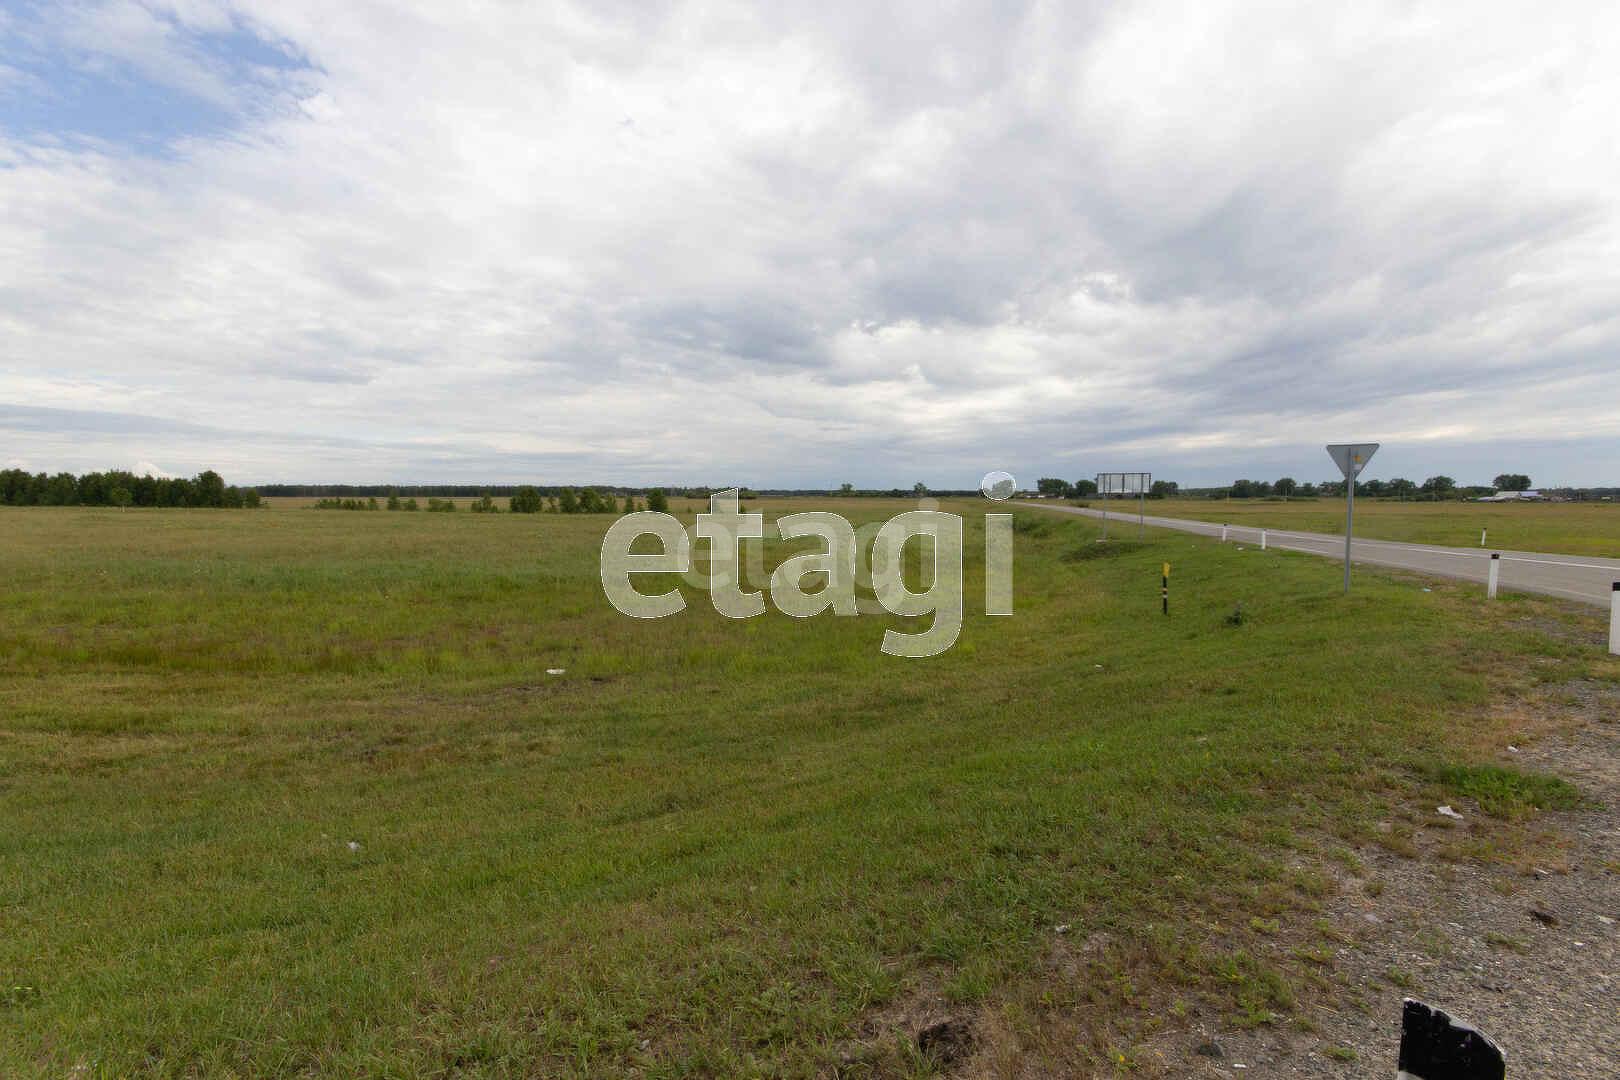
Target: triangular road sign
[(1351, 458)]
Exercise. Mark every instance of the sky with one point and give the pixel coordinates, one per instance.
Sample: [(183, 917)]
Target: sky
[(797, 245)]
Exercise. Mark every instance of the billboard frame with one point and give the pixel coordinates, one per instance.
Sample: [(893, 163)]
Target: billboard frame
[(1125, 483)]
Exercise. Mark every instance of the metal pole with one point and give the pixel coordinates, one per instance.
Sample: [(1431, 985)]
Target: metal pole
[(1105, 511), (1496, 568), (1141, 515), (1349, 520)]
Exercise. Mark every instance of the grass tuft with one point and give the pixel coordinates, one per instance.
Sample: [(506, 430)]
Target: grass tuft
[(1503, 791)]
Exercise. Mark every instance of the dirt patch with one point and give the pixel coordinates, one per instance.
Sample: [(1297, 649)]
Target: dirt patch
[(1514, 927)]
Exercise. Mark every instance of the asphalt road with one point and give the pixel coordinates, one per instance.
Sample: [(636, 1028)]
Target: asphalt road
[(1572, 577)]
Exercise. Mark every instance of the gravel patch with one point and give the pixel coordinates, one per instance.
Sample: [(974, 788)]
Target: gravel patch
[(1527, 948)]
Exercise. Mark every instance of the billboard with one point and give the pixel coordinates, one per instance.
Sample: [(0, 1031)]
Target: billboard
[(1124, 483)]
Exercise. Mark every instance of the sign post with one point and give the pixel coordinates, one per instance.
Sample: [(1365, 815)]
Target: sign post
[(1351, 458)]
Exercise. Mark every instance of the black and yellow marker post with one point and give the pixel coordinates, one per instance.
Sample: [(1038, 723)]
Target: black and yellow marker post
[(1164, 596)]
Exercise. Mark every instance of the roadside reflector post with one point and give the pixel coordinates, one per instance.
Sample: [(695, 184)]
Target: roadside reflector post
[(1482, 533), (1223, 532), (1262, 539), (1351, 458), (1496, 569), (1614, 620), (1164, 595)]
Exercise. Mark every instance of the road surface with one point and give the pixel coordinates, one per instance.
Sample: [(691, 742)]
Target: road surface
[(1573, 577)]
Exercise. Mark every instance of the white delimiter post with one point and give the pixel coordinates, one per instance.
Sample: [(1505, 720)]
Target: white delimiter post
[(1496, 567), (1223, 534), (1614, 620), (1262, 539)]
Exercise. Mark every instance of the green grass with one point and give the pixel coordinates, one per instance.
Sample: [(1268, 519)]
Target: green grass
[(1504, 791), (1570, 528), (710, 847)]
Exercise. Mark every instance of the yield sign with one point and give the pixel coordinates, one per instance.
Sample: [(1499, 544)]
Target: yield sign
[(1351, 458)]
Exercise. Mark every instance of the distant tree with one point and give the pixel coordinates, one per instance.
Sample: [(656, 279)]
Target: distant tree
[(13, 486), (846, 489), (629, 504), (483, 504), (1285, 486), (525, 500), (1163, 489), (1051, 485), (120, 497), (91, 490), (394, 503), (1402, 487), (233, 497), (209, 489), (1306, 491), (1085, 487), (1370, 487), (1438, 485), (144, 488), (1243, 489), (568, 501), (1512, 482), (61, 490), (657, 500), (410, 504), (919, 488)]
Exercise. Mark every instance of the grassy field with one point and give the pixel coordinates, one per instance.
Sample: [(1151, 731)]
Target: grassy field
[(1572, 528), (292, 793)]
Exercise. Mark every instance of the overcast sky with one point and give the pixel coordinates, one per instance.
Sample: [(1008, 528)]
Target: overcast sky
[(802, 244)]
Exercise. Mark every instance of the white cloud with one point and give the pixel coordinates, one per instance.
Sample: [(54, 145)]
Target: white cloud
[(834, 243)]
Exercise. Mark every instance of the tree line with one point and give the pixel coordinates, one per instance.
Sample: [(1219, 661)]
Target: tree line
[(1051, 485), (530, 500), (1433, 488), (525, 499), (471, 491), (116, 487)]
